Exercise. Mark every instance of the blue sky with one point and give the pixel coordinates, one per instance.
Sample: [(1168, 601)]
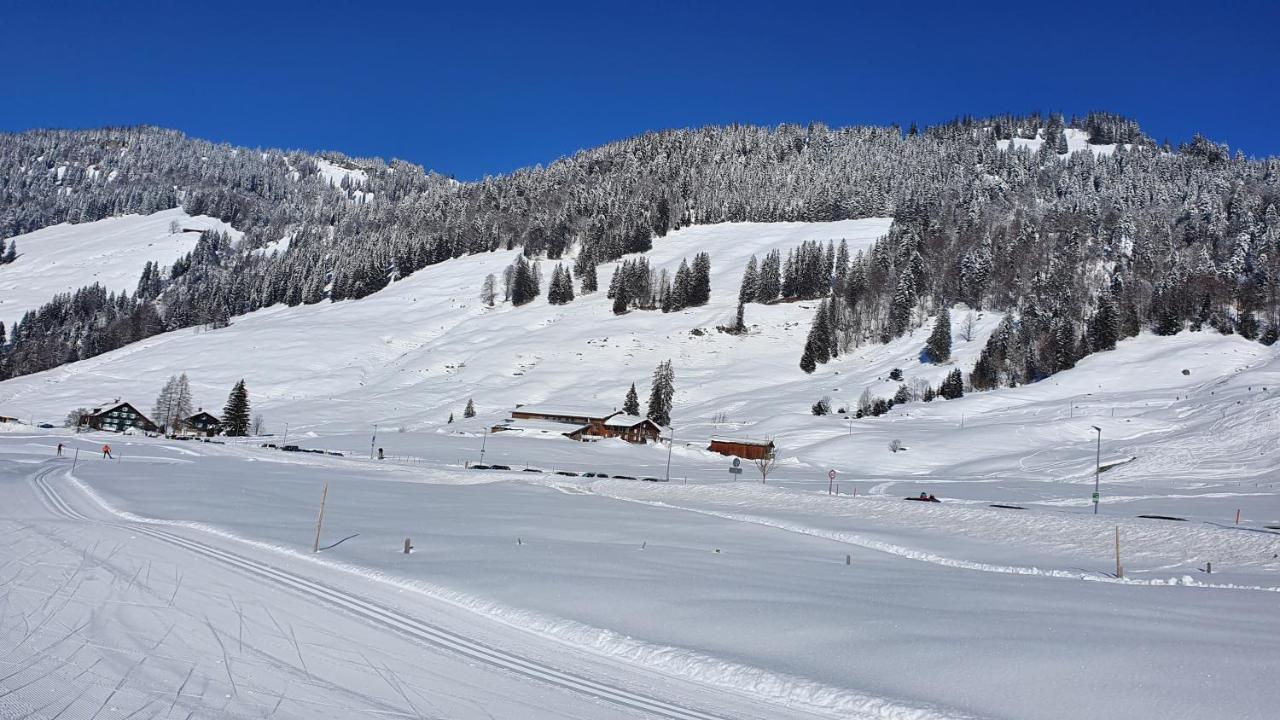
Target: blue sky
[(469, 89)]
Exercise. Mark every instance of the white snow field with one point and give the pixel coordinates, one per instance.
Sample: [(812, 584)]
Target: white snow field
[(179, 578), (112, 252)]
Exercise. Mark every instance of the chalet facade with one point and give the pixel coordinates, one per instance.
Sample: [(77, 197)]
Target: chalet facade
[(118, 417), (744, 448), (203, 423), (585, 425)]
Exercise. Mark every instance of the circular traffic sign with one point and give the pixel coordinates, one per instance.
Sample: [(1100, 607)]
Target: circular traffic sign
[(736, 462), (832, 475)]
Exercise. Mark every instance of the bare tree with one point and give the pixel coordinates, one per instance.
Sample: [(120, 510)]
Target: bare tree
[(895, 445), (174, 227), (489, 290), (258, 426), (765, 465), (966, 327), (76, 418)]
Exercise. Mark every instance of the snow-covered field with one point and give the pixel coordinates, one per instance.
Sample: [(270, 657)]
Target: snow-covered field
[(112, 252), (566, 596)]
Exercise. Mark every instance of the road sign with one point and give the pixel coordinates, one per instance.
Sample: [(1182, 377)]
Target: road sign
[(1095, 497), (831, 475), (737, 462), (735, 471)]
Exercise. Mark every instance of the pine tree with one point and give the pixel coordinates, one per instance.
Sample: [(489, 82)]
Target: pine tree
[(470, 410), (235, 416), (587, 278), (1104, 325), (450, 419), (817, 346), (748, 290), (661, 393), (938, 346), (953, 386), (631, 405), (11, 254)]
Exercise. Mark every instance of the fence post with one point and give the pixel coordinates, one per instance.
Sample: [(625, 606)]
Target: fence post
[(1119, 570), (407, 546), (324, 494)]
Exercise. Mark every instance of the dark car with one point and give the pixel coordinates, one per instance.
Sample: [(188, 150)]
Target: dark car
[(45, 426), (567, 473), (290, 448), (653, 479), (479, 467), (499, 467), (532, 470), (623, 477)]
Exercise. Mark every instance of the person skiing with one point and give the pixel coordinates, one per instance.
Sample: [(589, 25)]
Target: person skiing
[(59, 449), (106, 452)]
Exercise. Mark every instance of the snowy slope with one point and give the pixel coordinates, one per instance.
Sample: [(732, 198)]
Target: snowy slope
[(112, 252), (739, 588), (1077, 140)]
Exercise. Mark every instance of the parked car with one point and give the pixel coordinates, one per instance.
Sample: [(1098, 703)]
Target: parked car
[(45, 426), (623, 477), (499, 467), (479, 467), (653, 479), (567, 473), (291, 448), (532, 470)]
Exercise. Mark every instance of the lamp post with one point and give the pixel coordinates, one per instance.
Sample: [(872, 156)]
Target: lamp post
[(484, 440), (1097, 470)]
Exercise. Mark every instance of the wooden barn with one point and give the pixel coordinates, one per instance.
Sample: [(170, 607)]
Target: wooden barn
[(203, 423), (583, 424), (119, 416), (744, 448)]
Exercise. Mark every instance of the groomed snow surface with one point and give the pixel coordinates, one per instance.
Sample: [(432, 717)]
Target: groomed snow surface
[(699, 597)]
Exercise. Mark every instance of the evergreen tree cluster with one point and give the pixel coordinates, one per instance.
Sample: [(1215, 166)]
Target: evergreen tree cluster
[(560, 290), (8, 251), (1179, 238)]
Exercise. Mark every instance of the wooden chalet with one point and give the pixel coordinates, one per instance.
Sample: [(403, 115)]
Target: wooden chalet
[(118, 416), (203, 423), (744, 448), (580, 424)]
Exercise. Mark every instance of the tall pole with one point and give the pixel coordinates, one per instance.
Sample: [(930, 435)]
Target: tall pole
[(286, 434), (484, 440), (1097, 470), (671, 443), (373, 440), (320, 518)]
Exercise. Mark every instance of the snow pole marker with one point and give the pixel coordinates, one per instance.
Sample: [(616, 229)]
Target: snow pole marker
[(408, 546), (75, 460), (1237, 516), (324, 494), (1119, 570)]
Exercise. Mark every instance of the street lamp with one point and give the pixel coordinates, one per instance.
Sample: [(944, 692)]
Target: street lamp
[(1097, 470)]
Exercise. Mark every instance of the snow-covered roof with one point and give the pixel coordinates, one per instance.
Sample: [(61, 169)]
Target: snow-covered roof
[(566, 411), (740, 441), (536, 427), (625, 421)]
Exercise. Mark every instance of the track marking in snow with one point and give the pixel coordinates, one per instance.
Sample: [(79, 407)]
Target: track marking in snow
[(848, 538), (840, 702)]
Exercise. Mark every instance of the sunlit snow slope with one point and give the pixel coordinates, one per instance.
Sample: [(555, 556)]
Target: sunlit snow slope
[(112, 252)]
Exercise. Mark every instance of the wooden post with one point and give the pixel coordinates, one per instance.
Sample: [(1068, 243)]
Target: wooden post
[(1119, 570), (407, 546), (848, 559), (1237, 516), (75, 460), (1208, 568), (324, 494)]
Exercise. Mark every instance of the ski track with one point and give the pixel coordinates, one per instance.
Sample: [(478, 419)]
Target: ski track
[(777, 689), (935, 559)]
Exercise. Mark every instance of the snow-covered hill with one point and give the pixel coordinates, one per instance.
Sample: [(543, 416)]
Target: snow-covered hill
[(849, 600), (112, 252)]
